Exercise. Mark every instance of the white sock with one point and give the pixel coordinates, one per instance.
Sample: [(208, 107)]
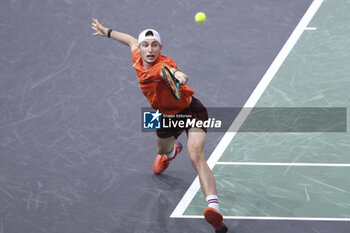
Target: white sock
[(213, 202), (171, 154)]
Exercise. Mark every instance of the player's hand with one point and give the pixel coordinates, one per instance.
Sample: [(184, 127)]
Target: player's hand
[(180, 75), (99, 28)]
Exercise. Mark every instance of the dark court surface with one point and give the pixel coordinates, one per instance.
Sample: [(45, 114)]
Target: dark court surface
[(73, 158)]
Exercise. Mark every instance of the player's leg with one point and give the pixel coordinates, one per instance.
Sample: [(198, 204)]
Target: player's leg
[(168, 149), (165, 145), (195, 144), (195, 147)]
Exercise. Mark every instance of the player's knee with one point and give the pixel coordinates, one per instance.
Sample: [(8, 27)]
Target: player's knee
[(196, 157)]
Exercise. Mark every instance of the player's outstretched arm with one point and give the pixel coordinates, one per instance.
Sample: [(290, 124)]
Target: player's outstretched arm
[(124, 38)]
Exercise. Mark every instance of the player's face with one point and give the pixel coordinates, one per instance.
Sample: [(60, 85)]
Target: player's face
[(149, 50)]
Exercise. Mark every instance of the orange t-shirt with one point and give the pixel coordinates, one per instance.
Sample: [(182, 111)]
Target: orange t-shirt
[(154, 87)]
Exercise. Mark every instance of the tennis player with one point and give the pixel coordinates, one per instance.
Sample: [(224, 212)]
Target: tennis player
[(148, 61)]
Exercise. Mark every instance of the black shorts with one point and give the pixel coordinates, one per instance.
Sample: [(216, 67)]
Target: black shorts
[(195, 110)]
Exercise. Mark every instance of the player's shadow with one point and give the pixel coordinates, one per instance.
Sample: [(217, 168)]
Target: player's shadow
[(150, 213), (166, 181)]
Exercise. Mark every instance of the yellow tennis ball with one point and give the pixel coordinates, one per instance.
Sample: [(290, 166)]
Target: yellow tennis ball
[(200, 17)]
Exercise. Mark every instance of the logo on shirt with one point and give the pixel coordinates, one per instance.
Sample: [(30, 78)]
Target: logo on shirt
[(151, 120)]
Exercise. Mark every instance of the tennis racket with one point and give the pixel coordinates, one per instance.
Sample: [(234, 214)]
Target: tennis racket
[(171, 82)]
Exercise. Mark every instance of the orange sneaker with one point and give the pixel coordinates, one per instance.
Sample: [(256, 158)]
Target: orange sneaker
[(213, 217), (162, 162)]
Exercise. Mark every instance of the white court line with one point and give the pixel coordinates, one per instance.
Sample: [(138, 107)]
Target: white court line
[(285, 164), (270, 73), (273, 218)]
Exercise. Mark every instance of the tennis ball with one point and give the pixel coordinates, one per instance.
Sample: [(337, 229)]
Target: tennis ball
[(200, 17)]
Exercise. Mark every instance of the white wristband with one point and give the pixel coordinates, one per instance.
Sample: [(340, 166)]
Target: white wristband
[(180, 81)]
